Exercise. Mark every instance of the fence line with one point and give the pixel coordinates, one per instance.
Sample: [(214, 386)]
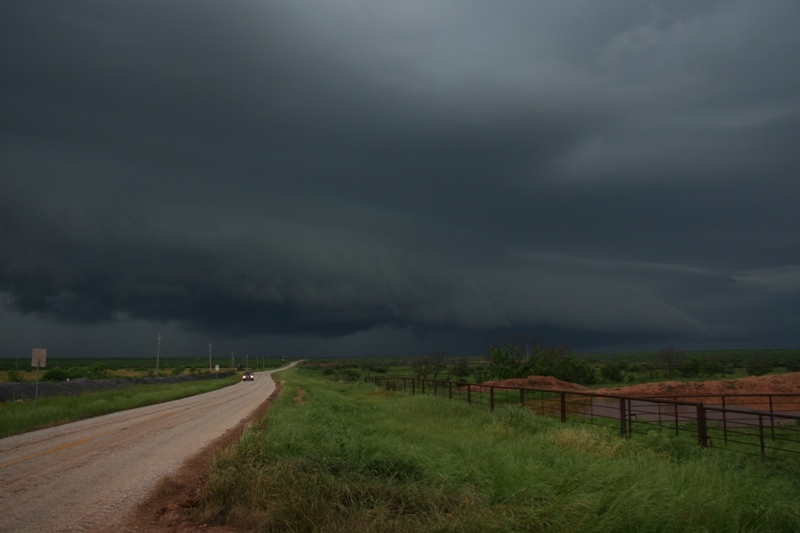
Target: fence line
[(771, 433)]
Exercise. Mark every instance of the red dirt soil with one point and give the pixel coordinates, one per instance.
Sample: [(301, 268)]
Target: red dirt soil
[(537, 382), (691, 391), (748, 385), (710, 391)]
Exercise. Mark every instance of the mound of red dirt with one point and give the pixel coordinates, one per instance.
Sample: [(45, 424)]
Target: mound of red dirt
[(740, 392), (710, 391), (538, 382), (748, 385)]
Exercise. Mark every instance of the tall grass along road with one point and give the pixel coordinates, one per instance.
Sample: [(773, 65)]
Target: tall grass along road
[(348, 456), (86, 476)]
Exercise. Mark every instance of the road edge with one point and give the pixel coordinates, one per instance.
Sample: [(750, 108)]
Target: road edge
[(169, 506)]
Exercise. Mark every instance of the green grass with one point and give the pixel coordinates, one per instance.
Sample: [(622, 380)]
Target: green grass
[(19, 417), (333, 457)]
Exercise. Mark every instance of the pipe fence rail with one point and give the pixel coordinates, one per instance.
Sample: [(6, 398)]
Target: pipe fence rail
[(770, 430)]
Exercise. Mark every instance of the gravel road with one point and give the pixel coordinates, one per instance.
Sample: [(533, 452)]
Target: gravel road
[(88, 475)]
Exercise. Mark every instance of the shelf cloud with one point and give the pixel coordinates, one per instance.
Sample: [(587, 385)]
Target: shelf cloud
[(375, 178)]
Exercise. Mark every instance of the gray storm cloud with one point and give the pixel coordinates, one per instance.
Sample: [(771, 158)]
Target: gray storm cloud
[(613, 173)]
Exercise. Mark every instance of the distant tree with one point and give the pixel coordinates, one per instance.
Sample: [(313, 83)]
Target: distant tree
[(347, 373), (511, 358), (556, 361), (481, 373), (420, 366), (712, 368), (613, 372), (650, 369), (516, 358), (438, 363), (55, 374), (575, 370), (77, 372), (756, 368), (460, 369), (98, 371), (669, 359), (691, 368)]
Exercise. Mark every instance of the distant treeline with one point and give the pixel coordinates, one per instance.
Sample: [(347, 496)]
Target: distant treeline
[(513, 358)]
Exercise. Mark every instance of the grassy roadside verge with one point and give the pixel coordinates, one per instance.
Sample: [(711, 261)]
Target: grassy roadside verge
[(334, 457), (20, 417)]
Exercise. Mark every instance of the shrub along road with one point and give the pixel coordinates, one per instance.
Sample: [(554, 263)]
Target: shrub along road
[(88, 475)]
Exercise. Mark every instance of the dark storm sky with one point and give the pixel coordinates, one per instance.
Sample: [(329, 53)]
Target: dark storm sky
[(370, 177)]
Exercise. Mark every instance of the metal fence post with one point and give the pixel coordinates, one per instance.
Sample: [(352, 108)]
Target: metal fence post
[(631, 417), (413, 386), (450, 391), (491, 398), (660, 406), (702, 434), (623, 423), (771, 418), (522, 397), (724, 421), (675, 406), (563, 407), (469, 393)]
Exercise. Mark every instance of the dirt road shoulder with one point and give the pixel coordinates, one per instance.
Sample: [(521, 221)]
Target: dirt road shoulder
[(170, 506)]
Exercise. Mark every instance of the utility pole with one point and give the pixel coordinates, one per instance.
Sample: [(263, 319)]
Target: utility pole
[(246, 361), (232, 365), (209, 356), (158, 352)]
